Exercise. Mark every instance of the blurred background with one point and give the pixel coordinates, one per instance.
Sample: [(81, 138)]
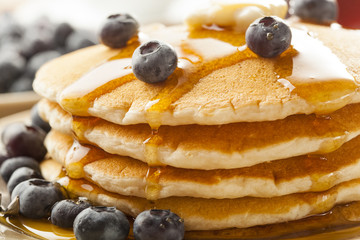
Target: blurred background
[(33, 32)]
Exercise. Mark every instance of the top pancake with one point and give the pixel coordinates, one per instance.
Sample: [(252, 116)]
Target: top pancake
[(218, 80)]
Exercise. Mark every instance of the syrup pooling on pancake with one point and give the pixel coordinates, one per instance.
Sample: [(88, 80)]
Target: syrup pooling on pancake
[(313, 67), (78, 156), (302, 67), (79, 96)]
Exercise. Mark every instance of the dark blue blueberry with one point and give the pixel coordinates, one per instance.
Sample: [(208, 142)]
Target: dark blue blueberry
[(10, 28), (20, 175), (12, 164), (118, 30), (268, 37), (33, 45), (12, 65), (3, 158), (37, 121), (97, 223), (78, 40), (318, 11), (64, 212), (36, 61), (21, 84), (62, 32), (37, 196), (158, 224), (37, 38), (22, 140), (154, 61)]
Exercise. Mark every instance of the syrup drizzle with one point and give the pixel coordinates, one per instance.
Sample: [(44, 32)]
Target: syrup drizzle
[(153, 188), (306, 66), (310, 65), (78, 156), (80, 96)]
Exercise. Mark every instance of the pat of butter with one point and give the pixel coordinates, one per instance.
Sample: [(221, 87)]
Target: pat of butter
[(236, 14)]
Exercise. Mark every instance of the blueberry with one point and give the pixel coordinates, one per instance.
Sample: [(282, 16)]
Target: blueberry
[(22, 140), (38, 60), (158, 224), (12, 65), (62, 32), (78, 40), (64, 212), (10, 28), (37, 121), (118, 30), (34, 45), (268, 37), (318, 11), (100, 223), (20, 175), (37, 39), (37, 196), (21, 84), (154, 61), (12, 164), (3, 158)]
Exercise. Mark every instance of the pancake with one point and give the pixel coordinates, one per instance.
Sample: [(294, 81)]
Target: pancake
[(340, 217), (229, 140), (209, 214), (130, 177), (214, 147), (218, 80)]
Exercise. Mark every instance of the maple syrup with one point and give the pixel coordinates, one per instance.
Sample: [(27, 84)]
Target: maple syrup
[(308, 66), (152, 188), (300, 68), (37, 228), (304, 68), (342, 222), (78, 156)]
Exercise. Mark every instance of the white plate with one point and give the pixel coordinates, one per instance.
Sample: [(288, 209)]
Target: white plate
[(15, 102)]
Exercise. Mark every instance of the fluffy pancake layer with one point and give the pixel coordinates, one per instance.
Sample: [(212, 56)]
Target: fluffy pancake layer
[(215, 147), (207, 214), (255, 159), (229, 84), (131, 177)]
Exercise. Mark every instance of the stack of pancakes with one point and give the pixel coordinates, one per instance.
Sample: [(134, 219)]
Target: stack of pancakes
[(229, 140)]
